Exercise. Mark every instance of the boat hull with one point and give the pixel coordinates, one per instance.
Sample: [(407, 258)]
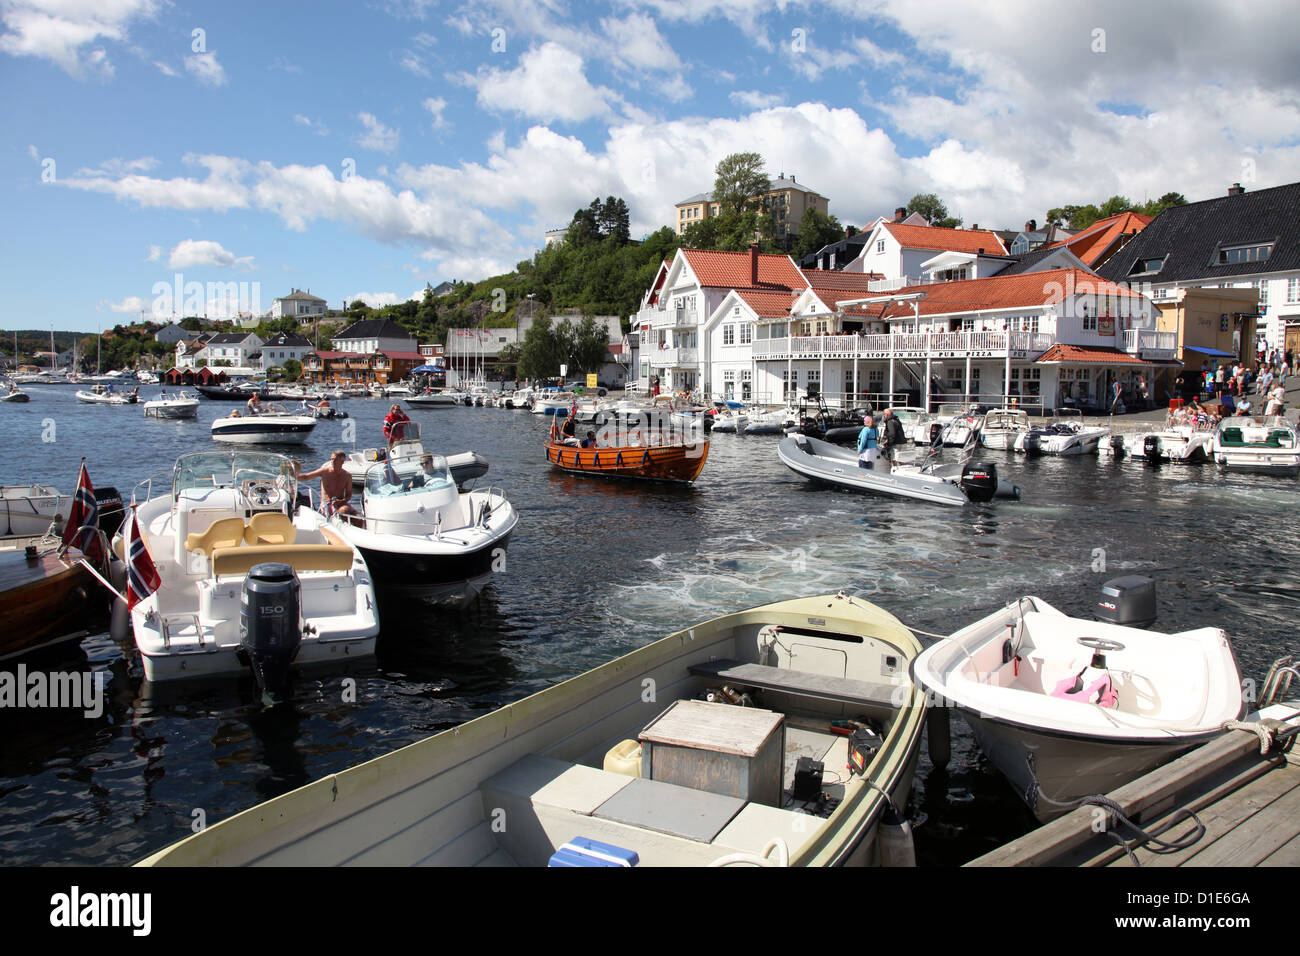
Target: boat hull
[(449, 581), (43, 601), (680, 463), (172, 411), (258, 431)]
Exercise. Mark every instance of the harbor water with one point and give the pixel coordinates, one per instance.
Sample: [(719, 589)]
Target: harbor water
[(596, 569)]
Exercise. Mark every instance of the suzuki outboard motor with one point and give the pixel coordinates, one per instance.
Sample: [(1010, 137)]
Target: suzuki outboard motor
[(1151, 448), (270, 625), (1130, 601), (979, 480), (936, 433), (111, 510)]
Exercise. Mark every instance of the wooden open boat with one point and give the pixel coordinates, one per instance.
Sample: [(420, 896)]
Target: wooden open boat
[(44, 599), (630, 755), (672, 461)]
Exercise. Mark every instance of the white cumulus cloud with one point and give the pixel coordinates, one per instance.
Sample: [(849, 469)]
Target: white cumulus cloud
[(206, 68), (377, 136), (549, 85), (203, 252)]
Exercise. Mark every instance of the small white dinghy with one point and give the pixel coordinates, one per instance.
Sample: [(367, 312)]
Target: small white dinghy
[(1067, 708)]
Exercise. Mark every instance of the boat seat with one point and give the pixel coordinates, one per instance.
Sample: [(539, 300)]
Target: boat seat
[(270, 527), (222, 533), (301, 557), (843, 690)]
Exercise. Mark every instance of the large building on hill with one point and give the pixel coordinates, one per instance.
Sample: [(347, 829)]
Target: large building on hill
[(787, 199)]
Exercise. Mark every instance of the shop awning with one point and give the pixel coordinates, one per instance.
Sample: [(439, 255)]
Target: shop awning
[(1212, 353)]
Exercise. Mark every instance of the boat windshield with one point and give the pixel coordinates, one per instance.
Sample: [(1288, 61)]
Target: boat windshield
[(222, 469), (404, 476)]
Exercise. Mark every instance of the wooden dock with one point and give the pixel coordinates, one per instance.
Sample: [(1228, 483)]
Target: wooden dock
[(1248, 803)]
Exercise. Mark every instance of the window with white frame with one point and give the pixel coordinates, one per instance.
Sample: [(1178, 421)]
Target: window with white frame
[(813, 381), (1293, 290), (746, 386), (876, 380), (1262, 285), (848, 381), (785, 383), (729, 383), (728, 335), (880, 245), (1089, 320), (746, 333)]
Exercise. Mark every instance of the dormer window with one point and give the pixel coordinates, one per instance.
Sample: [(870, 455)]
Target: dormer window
[(1147, 266), (1255, 252)]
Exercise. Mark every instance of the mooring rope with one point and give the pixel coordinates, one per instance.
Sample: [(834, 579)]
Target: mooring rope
[(1154, 843)]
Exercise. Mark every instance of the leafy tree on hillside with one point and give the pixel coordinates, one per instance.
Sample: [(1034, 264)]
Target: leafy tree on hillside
[(933, 209), (816, 230), (740, 183)]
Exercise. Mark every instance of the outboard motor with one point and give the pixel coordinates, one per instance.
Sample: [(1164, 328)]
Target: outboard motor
[(1117, 446), (112, 512), (1151, 448), (979, 480), (936, 433), (270, 625), (1130, 601)]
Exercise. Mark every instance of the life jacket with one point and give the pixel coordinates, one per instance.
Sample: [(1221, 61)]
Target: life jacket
[(1101, 691)]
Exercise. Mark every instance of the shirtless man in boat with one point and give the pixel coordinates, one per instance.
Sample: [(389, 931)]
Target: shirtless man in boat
[(335, 484)]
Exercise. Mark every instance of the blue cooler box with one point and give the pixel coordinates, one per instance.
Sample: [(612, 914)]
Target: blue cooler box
[(583, 852)]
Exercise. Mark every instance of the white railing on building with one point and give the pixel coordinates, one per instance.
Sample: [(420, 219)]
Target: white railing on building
[(1146, 342), (674, 358), (906, 345), (901, 282)]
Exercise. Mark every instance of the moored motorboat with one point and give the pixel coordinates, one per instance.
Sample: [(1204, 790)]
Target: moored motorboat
[(593, 759), (774, 422), (1068, 708), (107, 395), (1002, 426), (932, 480), (1066, 435), (433, 399), (15, 394), (179, 405), (245, 575), (1265, 446), (465, 466), (650, 455), (45, 599), (1181, 444), (424, 539), (271, 426)]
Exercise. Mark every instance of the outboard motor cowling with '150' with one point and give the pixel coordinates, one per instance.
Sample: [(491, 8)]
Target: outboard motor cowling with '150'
[(270, 624)]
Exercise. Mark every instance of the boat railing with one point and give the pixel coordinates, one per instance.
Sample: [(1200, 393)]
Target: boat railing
[(496, 497), (147, 484)]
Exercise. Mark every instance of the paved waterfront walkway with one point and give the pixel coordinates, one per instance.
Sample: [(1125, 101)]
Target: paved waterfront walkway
[(1141, 421)]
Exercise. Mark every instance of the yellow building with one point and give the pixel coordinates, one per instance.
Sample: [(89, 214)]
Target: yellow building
[(1212, 325), (788, 199)]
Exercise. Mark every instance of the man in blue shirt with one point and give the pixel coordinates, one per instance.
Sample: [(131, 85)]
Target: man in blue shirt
[(867, 444)]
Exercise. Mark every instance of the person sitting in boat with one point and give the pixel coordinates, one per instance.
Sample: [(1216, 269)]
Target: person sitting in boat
[(590, 440), (255, 404), (868, 440), (335, 484), (393, 422), (569, 431)]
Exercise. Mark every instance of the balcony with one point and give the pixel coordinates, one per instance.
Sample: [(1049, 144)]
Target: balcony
[(893, 285), (907, 345), (1157, 346), (674, 358), (674, 319)]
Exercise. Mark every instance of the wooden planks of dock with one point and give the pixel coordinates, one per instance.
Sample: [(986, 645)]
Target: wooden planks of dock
[(1248, 803)]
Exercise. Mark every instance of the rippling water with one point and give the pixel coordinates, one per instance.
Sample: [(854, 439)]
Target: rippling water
[(597, 569)]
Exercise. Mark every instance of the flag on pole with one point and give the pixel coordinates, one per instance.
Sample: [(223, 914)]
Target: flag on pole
[(82, 528), (142, 577)]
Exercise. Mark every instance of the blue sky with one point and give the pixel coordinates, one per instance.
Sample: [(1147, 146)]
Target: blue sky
[(361, 150)]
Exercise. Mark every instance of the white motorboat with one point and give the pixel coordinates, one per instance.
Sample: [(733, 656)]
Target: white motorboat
[(424, 539), (439, 399), (1259, 445), (520, 398), (178, 405), (963, 429), (933, 481), (1067, 434), (553, 401), (1067, 708), (243, 570), (594, 759), (31, 509), (108, 395), (465, 466), (1002, 426), (1181, 444), (398, 390), (730, 420), (271, 426), (15, 394), (146, 377), (774, 422), (929, 424)]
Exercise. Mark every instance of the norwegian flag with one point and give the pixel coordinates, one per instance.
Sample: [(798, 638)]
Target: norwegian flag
[(82, 528), (141, 574)]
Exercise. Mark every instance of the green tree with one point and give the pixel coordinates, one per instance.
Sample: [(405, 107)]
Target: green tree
[(816, 230), (933, 209), (740, 183), (1156, 206), (588, 343), (1114, 206), (292, 369), (542, 352)]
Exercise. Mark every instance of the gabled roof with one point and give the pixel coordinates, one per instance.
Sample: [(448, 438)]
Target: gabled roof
[(374, 329), (229, 338), (300, 296), (1093, 354), (286, 340), (731, 270), (1092, 244), (1031, 261), (1189, 238), (767, 305), (831, 285), (951, 240), (1026, 290)]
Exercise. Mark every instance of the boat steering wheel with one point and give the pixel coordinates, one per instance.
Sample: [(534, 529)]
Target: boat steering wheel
[(261, 492), (1101, 644)]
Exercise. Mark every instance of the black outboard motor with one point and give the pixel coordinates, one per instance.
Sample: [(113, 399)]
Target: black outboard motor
[(936, 433), (1151, 448), (112, 512), (1117, 446), (979, 479), (1130, 601), (270, 625)]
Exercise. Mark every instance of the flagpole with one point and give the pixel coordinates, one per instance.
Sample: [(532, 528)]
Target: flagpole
[(100, 578)]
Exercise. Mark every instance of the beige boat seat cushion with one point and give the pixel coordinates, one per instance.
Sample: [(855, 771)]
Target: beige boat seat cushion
[(270, 527), (301, 557), (222, 533)]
